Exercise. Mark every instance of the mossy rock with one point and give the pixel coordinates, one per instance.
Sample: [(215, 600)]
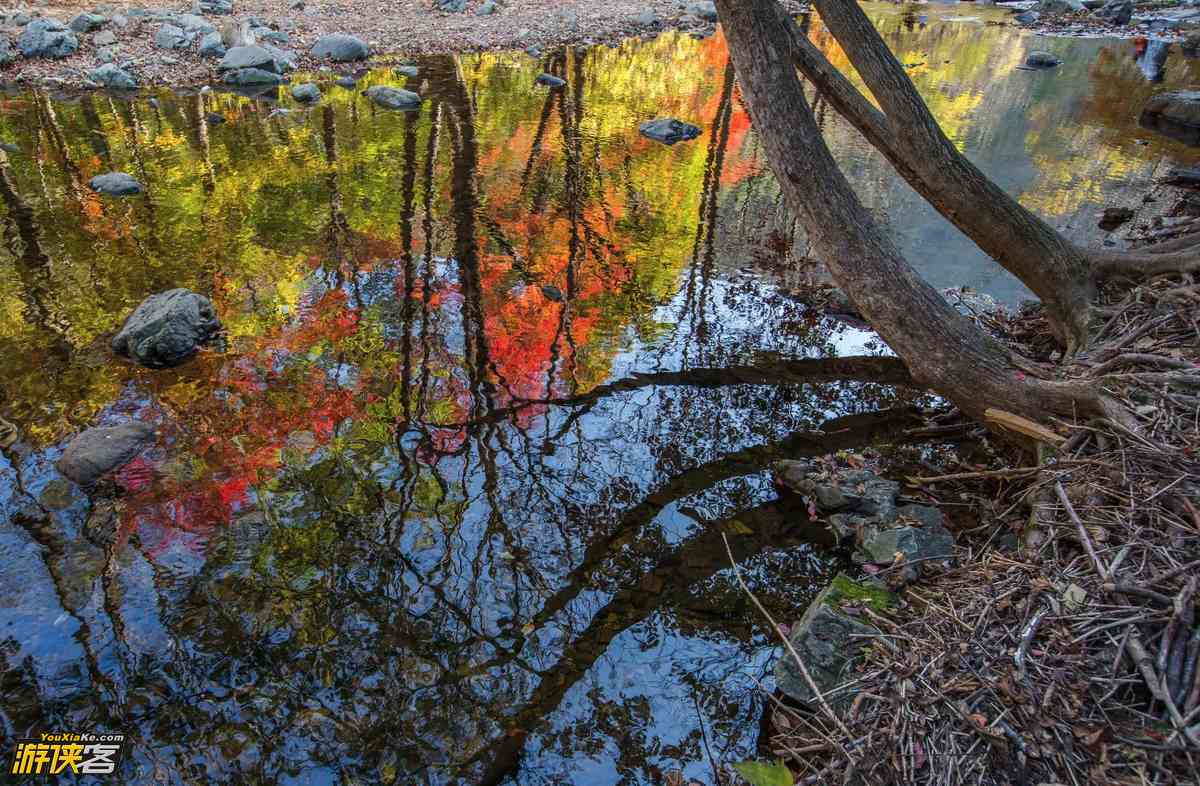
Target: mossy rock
[(844, 590)]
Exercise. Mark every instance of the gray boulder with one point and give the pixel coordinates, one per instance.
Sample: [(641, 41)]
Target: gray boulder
[(857, 492), (668, 130), (393, 98), (921, 537), (1042, 60), (306, 93), (115, 183), (1175, 114), (272, 36), (452, 6), (409, 71), (705, 11), (100, 450), (86, 22), (1027, 17), (211, 45), (341, 48), (47, 38), (110, 75), (1118, 12), (169, 36), (829, 642), (550, 80), (251, 76), (284, 60), (104, 38), (167, 328)]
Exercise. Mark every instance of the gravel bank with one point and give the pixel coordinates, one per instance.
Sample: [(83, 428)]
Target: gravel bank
[(394, 29)]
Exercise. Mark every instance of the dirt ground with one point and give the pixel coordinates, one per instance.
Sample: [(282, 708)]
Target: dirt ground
[(391, 27)]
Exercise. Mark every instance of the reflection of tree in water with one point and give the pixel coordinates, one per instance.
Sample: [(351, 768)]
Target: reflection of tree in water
[(378, 548)]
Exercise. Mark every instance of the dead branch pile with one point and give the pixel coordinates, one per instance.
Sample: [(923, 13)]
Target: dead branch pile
[(1064, 646)]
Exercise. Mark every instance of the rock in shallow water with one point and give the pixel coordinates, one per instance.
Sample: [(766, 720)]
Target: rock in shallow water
[(167, 328), (1041, 60), (100, 450), (341, 48), (393, 98), (115, 183), (668, 130), (550, 80), (307, 92), (1175, 114)]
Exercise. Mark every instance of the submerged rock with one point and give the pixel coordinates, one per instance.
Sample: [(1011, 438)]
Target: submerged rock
[(47, 38), (1175, 114), (829, 642), (115, 183), (167, 328), (100, 450), (341, 48), (1042, 60), (409, 71), (393, 98), (347, 82), (668, 130), (1114, 217), (109, 75), (550, 80), (307, 92)]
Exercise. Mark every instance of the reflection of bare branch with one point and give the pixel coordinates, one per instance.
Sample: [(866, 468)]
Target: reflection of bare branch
[(882, 370)]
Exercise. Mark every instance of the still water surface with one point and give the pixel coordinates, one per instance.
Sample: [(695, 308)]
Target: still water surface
[(398, 527)]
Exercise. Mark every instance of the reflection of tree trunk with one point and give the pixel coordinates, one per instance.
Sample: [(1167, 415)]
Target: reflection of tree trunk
[(431, 155), (466, 249), (32, 263), (669, 581), (407, 210), (96, 136), (337, 231)]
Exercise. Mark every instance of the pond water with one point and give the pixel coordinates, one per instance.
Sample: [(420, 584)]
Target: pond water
[(447, 505)]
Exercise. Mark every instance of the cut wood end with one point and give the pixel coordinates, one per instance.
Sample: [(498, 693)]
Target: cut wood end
[(1023, 425)]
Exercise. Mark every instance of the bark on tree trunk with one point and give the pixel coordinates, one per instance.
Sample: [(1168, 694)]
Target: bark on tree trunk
[(910, 138), (942, 348)]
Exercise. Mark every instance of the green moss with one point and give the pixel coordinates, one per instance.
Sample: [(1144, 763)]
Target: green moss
[(844, 589)]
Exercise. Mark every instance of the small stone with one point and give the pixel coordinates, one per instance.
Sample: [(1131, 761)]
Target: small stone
[(487, 9), (1042, 60), (251, 76), (168, 36), (104, 38), (452, 6), (306, 93), (111, 76), (409, 71), (86, 23), (1114, 217), (347, 82), (97, 451), (107, 54), (393, 98), (7, 52), (115, 183), (211, 45), (668, 130), (341, 48)]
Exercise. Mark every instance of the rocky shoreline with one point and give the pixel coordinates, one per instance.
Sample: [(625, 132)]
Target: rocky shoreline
[(127, 47)]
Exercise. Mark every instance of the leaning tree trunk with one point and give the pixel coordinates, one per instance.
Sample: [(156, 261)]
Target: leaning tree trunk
[(907, 134), (942, 348)]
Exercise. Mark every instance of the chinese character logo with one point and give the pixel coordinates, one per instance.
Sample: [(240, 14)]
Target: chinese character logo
[(58, 754)]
